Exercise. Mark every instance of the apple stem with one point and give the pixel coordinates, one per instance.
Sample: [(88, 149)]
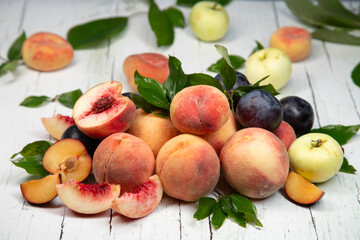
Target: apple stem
[(317, 143), (215, 5)]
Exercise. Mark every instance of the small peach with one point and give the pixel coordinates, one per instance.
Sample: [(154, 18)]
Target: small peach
[(46, 51), (294, 41), (286, 134)]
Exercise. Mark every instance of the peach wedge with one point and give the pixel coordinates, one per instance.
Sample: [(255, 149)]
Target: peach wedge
[(300, 190), (56, 125)]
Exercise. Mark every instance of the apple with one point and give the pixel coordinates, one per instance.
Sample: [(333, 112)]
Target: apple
[(269, 61), (316, 156), (209, 21)]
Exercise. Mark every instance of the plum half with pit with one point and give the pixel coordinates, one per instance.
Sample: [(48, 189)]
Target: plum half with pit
[(259, 108), (298, 113)]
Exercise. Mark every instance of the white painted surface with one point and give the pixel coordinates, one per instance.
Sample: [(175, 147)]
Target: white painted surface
[(323, 79)]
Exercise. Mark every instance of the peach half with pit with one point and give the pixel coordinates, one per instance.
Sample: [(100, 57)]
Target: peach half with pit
[(199, 110), (45, 51), (102, 110), (286, 134), (141, 201), (56, 125), (150, 65), (188, 167), (87, 199), (123, 159), (255, 162)]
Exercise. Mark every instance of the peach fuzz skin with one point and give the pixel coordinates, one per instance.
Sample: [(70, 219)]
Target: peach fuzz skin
[(286, 134), (199, 110), (46, 51), (255, 162), (294, 41), (154, 130), (188, 167), (151, 65), (123, 159)]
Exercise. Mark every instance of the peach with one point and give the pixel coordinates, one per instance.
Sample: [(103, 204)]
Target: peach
[(188, 167), (151, 65), (199, 109), (45, 51), (254, 162), (56, 125), (286, 134), (102, 110), (294, 41), (217, 139), (123, 159), (154, 130)]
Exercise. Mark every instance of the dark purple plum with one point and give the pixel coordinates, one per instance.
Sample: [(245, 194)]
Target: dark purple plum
[(89, 143), (241, 80), (298, 113), (259, 108)]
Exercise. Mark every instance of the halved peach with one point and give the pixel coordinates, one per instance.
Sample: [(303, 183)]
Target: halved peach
[(68, 157), (56, 125), (41, 190), (141, 201), (301, 190), (87, 199), (102, 110)]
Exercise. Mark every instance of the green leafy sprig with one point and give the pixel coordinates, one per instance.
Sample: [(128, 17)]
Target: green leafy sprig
[(67, 99), (355, 75)]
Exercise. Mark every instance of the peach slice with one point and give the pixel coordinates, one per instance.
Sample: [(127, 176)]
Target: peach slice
[(56, 125), (141, 201), (87, 199), (102, 110), (68, 157), (41, 190), (301, 190)]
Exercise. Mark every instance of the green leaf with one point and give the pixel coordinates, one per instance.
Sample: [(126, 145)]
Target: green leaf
[(336, 8), (224, 53), (148, 107), (346, 168), (242, 90), (9, 66), (258, 47), (177, 78), (205, 208), (92, 33), (68, 99), (236, 61), (14, 52), (355, 75), (336, 36), (342, 134), (152, 91), (176, 17), (228, 75), (226, 206), (161, 25), (218, 216), (243, 205), (35, 101), (34, 148), (203, 79)]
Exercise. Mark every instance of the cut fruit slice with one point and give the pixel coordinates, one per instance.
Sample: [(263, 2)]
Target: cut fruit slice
[(87, 199), (301, 190), (68, 157), (141, 201), (57, 125), (41, 190)]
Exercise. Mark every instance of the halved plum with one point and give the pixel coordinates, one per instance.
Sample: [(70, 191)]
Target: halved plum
[(102, 110), (56, 125)]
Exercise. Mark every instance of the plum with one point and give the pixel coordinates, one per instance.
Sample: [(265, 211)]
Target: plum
[(241, 80)]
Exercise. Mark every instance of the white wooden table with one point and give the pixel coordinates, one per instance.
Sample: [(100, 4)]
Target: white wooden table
[(323, 79)]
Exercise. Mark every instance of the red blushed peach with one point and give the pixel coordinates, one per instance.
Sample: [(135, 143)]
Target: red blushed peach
[(102, 110), (46, 51), (286, 134), (217, 139), (123, 159), (294, 41), (151, 65), (199, 109), (255, 162), (188, 167), (154, 130)]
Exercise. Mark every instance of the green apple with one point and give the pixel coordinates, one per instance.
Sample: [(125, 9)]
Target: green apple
[(209, 21), (269, 61), (316, 156)]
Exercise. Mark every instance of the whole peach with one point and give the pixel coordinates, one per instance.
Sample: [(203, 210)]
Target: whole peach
[(123, 159), (199, 109), (286, 134), (255, 162), (154, 130), (188, 167), (46, 51), (151, 65), (294, 41)]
